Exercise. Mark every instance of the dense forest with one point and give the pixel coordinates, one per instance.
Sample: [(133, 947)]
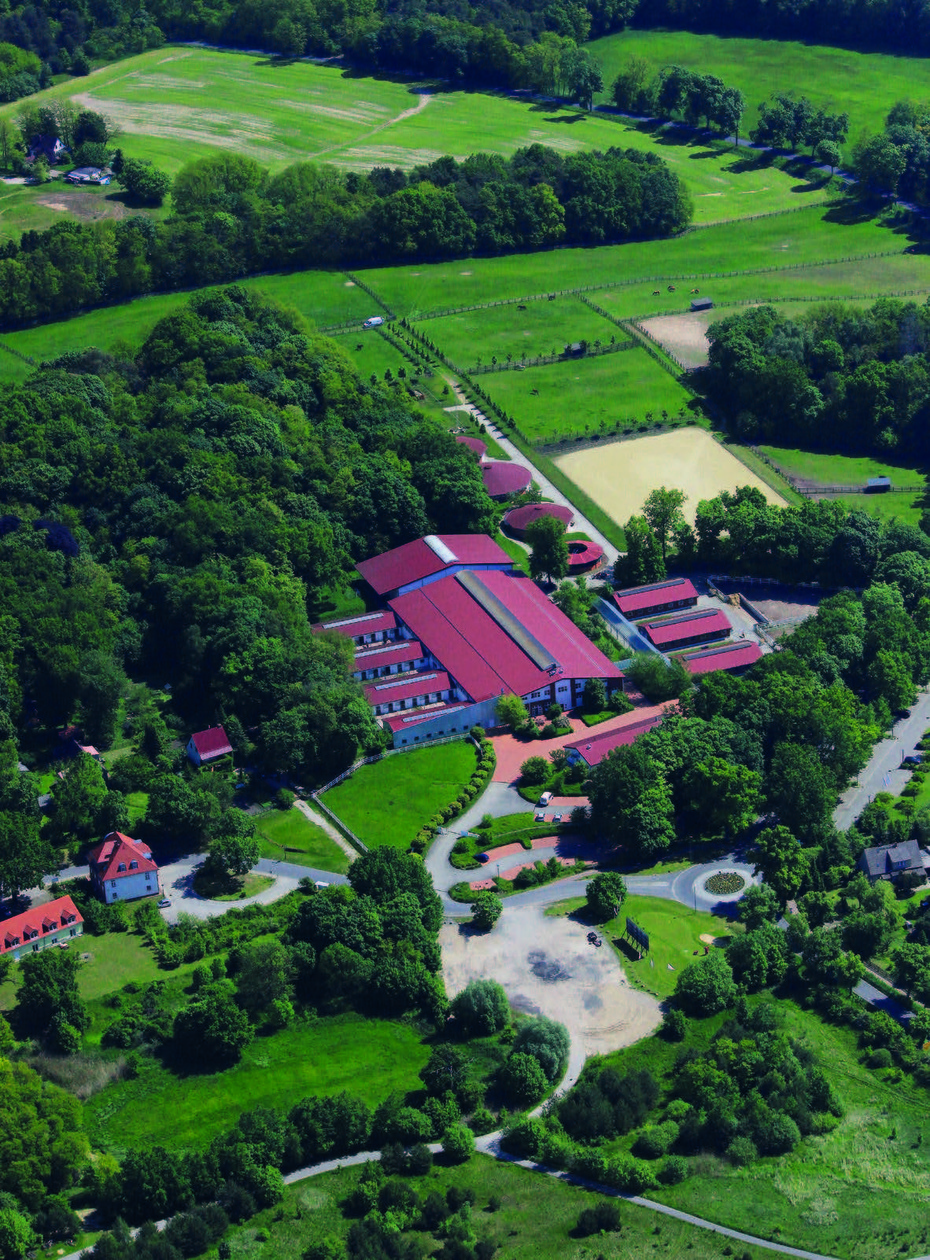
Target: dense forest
[(230, 217), (839, 378), (202, 494)]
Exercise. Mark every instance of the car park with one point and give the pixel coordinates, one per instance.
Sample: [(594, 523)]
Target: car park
[(556, 818)]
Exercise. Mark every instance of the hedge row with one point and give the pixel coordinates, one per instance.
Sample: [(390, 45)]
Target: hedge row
[(487, 761)]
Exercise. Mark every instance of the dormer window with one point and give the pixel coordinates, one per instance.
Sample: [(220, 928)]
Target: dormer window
[(133, 865), (122, 866)]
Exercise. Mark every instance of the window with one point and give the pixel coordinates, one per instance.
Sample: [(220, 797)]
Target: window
[(133, 865), (112, 883), (122, 866)]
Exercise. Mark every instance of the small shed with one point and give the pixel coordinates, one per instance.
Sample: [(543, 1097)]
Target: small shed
[(878, 485), (575, 349), (702, 304)]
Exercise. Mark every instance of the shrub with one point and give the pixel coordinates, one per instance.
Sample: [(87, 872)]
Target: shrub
[(548, 1042), (742, 1151), (674, 1024), (458, 1143), (523, 1079), (594, 1220), (656, 1140), (880, 1059), (673, 1171), (481, 1008)]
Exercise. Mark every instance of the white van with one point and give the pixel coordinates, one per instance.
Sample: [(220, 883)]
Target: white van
[(544, 799), (375, 322)]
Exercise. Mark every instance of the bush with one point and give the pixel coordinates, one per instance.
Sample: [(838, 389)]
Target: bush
[(707, 986), (673, 1171), (458, 1143), (535, 770), (481, 1008), (523, 1079), (656, 1140), (880, 1059), (548, 1042), (486, 909), (606, 894), (674, 1024), (604, 1217), (742, 1151)]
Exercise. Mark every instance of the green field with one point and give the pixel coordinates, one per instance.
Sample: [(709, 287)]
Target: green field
[(535, 1218), (389, 801), (582, 395), (114, 959), (369, 1058), (287, 835), (841, 470), (864, 85), (544, 328)]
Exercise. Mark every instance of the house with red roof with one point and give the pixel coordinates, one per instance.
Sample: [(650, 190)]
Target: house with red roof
[(208, 745), (703, 625), (55, 923), (122, 869), (592, 749), (428, 559), (657, 597)]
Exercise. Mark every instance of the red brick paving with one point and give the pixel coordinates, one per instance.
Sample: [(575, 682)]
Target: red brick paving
[(512, 752)]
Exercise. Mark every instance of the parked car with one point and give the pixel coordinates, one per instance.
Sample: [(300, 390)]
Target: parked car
[(539, 817), (164, 903), (544, 799), (556, 818)]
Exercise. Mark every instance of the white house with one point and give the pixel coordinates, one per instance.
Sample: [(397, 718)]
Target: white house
[(122, 869)]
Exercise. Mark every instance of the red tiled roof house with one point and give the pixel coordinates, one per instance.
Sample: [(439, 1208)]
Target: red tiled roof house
[(52, 924), (122, 869), (208, 745)]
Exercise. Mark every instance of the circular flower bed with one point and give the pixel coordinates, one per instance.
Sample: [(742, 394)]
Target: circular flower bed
[(724, 882)]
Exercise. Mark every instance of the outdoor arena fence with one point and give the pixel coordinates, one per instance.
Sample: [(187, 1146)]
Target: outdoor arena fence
[(520, 365), (370, 291), (808, 488), (17, 354)]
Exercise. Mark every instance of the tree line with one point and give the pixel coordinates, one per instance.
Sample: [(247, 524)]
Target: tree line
[(230, 216), (836, 378), (897, 159)]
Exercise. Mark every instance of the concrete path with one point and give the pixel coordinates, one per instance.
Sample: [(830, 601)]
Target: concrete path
[(321, 821), (545, 485), (884, 772)]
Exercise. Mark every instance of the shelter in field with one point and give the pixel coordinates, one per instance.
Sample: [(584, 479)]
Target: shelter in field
[(733, 657), (658, 597), (518, 519), (889, 861), (469, 628), (583, 555), (702, 304), (55, 923), (502, 478), (878, 485), (208, 745), (705, 625), (122, 869)]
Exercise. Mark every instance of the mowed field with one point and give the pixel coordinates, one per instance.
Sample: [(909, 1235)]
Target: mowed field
[(619, 475), (864, 85)]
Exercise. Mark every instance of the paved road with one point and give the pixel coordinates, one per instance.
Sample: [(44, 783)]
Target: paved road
[(883, 772), (548, 489), (882, 1002)]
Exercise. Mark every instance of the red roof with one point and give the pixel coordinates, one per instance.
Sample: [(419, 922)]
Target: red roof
[(414, 717), (596, 747), (502, 478), (407, 686), (41, 920), (362, 623), (379, 655), (474, 444), (488, 632), (414, 561), (518, 518), (636, 598), (691, 625), (211, 743), (724, 656), (115, 850), (581, 553)]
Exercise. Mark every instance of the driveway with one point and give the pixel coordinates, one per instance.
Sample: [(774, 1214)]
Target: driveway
[(884, 772)]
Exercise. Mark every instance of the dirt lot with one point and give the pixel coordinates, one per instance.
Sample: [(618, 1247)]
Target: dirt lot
[(619, 475), (547, 967), (684, 336), (778, 603)]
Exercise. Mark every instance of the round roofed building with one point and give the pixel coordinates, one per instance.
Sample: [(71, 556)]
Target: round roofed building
[(518, 519)]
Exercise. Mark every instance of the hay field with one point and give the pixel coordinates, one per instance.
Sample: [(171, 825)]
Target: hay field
[(619, 475)]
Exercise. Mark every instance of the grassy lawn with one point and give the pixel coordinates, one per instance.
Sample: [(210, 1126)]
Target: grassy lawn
[(517, 553), (544, 328), (228, 887), (369, 1058), (865, 85), (288, 835), (535, 1220), (388, 802), (844, 470), (587, 395), (115, 959), (907, 508)]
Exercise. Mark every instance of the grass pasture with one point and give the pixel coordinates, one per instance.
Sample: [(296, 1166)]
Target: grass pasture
[(114, 959), (619, 475), (545, 328), (389, 801), (369, 1058), (864, 85), (845, 470), (582, 396), (288, 836)]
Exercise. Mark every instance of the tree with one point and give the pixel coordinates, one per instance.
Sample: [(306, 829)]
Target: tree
[(547, 1041), (644, 561), (511, 711), (49, 992), (486, 909), (732, 106), (481, 1009), (910, 966), (725, 795), (826, 962), (212, 1027), (523, 1079), (657, 681), (25, 853), (798, 789), (143, 182), (828, 153), (878, 164), (780, 860), (10, 146), (706, 986), (606, 893), (236, 849), (549, 555), (77, 800), (535, 770), (662, 510), (594, 696), (17, 1236), (458, 1143), (447, 1069)]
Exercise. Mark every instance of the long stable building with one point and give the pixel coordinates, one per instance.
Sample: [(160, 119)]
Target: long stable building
[(704, 625), (659, 597), (467, 629)]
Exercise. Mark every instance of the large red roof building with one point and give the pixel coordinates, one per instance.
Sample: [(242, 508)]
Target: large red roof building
[(122, 869), (469, 629), (55, 923)]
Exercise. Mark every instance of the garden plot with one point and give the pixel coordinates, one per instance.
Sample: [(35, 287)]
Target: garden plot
[(619, 475)]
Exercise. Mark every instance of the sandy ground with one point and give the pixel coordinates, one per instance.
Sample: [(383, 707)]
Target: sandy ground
[(548, 968), (619, 475), (684, 335)]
